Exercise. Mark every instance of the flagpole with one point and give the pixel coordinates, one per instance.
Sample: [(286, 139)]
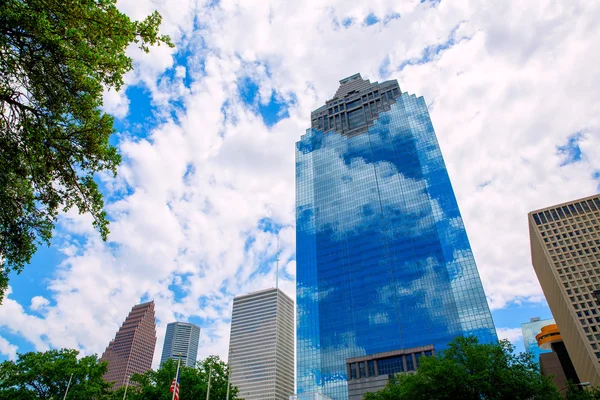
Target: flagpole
[(209, 375), (176, 376), (126, 385), (228, 373), (68, 386)]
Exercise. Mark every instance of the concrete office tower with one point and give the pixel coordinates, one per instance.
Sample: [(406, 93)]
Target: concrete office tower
[(565, 251), (181, 342), (132, 349), (530, 331), (383, 259), (261, 345)]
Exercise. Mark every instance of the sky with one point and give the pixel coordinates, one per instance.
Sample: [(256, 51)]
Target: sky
[(207, 132)]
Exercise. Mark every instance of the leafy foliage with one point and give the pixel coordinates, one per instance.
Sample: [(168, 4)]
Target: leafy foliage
[(154, 385), (468, 370), (56, 58), (574, 392), (46, 375)]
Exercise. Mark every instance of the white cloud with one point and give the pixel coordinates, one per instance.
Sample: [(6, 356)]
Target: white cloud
[(38, 303), (516, 81), (513, 335), (9, 350)]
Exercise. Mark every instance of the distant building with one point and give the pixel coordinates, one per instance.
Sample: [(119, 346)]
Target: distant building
[(565, 252), (132, 349), (530, 330), (181, 342), (261, 346), (371, 373), (556, 362), (309, 396), (383, 261)]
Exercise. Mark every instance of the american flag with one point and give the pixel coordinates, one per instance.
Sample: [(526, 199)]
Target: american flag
[(175, 386)]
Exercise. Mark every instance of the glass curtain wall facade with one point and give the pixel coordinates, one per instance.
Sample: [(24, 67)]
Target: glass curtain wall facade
[(383, 259), (181, 342), (530, 330)]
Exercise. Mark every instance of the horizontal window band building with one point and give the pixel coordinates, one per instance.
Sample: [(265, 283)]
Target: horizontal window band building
[(387, 363), (371, 373)]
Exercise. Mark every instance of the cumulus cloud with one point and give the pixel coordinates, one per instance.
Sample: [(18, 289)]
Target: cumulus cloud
[(9, 350), (204, 195), (513, 335)]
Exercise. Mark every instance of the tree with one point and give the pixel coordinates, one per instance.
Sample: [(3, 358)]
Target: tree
[(46, 375), (154, 385), (468, 370), (56, 58), (574, 392)]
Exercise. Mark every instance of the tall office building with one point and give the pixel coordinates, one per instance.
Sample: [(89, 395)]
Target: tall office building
[(181, 342), (565, 251), (383, 259), (132, 349), (261, 345), (530, 330)]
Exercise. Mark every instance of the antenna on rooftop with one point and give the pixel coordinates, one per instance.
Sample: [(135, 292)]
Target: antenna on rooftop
[(277, 270)]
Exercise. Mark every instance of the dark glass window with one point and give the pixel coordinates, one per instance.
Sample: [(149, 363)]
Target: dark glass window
[(548, 216), (573, 210), (536, 219), (597, 201), (409, 363), (585, 206), (396, 92), (543, 218), (566, 210), (428, 353), (592, 206), (578, 207), (356, 118), (371, 367), (390, 365), (353, 371), (361, 366), (353, 104)]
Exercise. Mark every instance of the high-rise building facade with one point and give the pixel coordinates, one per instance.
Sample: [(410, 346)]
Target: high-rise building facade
[(530, 330), (181, 342), (565, 252), (383, 258), (261, 345), (132, 349)]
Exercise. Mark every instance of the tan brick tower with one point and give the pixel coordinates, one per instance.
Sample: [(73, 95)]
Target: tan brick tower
[(565, 251), (132, 349)]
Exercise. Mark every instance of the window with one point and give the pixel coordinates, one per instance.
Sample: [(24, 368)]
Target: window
[(391, 365), (371, 367), (356, 118), (409, 363), (353, 104)]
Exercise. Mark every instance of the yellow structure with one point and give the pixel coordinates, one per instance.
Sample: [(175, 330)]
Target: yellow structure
[(549, 335)]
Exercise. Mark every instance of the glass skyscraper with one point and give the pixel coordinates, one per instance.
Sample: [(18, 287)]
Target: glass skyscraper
[(383, 259), (530, 330), (181, 342)]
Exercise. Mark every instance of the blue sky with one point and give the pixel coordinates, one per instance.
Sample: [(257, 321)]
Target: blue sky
[(207, 133)]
